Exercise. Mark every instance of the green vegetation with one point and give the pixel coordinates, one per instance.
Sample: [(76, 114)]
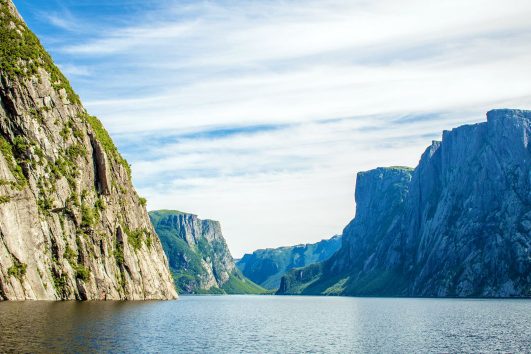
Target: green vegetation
[(179, 247), (38, 151), (100, 204), (20, 145), (45, 205), (17, 270), (212, 291), (120, 259), (70, 255), (106, 141), (142, 201), (296, 281), (185, 263), (66, 165), (190, 283), (74, 199), (37, 115), (119, 255), (78, 134), (21, 53), (74, 151), (82, 272), (59, 283), (7, 150), (4, 199), (149, 239), (135, 237), (184, 281), (65, 133), (238, 284), (89, 216)]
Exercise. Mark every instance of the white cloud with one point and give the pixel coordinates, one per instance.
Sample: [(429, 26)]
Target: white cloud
[(75, 70), (210, 65), (284, 186)]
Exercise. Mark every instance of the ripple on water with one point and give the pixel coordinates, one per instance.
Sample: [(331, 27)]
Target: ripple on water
[(268, 324)]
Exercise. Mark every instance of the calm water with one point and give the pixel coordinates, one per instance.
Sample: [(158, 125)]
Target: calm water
[(268, 324)]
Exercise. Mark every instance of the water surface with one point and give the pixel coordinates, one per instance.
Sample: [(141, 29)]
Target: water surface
[(268, 324)]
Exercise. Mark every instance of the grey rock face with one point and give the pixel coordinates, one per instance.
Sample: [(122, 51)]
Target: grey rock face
[(71, 223), (472, 242), (458, 225), (266, 266)]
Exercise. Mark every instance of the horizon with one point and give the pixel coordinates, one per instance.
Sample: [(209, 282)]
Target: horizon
[(281, 122)]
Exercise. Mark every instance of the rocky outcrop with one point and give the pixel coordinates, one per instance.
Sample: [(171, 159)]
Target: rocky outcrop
[(266, 266), (457, 225), (198, 254), (71, 223)]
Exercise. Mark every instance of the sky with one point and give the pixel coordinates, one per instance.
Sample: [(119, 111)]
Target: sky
[(259, 114)]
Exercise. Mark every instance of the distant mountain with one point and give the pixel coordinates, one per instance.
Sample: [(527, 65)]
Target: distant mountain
[(266, 266), (199, 258), (71, 223), (459, 224)]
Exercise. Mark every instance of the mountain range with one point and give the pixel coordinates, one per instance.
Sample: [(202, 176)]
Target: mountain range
[(72, 225), (267, 266)]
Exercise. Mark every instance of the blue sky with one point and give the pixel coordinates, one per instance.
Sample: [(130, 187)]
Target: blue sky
[(259, 113)]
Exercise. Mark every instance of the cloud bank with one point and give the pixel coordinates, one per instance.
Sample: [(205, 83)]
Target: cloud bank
[(259, 113)]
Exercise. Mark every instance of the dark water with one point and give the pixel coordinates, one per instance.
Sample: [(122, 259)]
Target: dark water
[(268, 324)]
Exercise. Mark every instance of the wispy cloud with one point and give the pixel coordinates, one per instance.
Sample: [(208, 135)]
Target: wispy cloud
[(61, 17), (74, 70), (259, 113)]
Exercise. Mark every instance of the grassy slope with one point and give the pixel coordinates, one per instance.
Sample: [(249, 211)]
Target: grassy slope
[(238, 284)]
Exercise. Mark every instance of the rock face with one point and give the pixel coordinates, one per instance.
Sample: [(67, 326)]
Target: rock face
[(198, 254), (266, 266), (457, 225), (71, 223)]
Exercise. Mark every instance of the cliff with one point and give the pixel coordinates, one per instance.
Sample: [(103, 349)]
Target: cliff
[(459, 224), (266, 266), (198, 255), (71, 223)]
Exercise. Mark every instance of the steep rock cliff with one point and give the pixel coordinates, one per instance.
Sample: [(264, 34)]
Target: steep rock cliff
[(71, 223), (458, 225), (266, 266), (198, 254)]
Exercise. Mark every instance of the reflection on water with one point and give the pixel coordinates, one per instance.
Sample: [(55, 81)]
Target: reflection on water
[(259, 324)]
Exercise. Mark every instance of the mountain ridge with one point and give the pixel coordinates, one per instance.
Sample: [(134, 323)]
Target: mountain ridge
[(198, 254)]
